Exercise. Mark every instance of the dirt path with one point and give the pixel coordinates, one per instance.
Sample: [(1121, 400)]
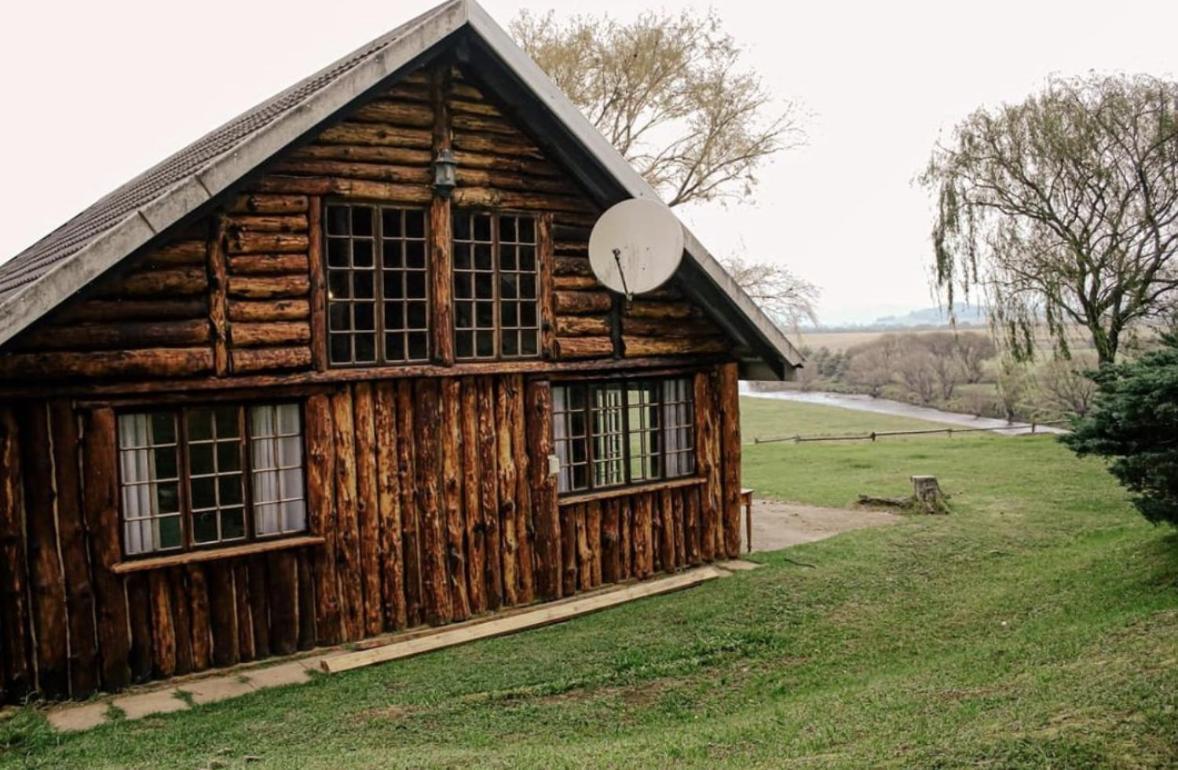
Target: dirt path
[(780, 525)]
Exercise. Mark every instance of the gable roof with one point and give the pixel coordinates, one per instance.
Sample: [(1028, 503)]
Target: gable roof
[(42, 276)]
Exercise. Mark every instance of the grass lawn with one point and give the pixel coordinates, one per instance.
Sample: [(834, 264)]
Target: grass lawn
[(1036, 626), (768, 418)]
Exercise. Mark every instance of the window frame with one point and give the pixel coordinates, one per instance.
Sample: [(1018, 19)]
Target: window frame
[(184, 477), (659, 458), (497, 328), (378, 271)]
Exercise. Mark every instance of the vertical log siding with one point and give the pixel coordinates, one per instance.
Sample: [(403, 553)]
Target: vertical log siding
[(434, 499)]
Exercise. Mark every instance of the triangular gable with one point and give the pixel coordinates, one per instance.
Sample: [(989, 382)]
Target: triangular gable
[(59, 265)]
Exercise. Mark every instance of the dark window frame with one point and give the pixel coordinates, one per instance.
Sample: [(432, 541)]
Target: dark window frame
[(498, 328), (654, 460), (380, 302), (179, 413)]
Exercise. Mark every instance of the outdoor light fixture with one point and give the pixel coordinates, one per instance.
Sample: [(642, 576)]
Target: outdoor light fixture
[(445, 173)]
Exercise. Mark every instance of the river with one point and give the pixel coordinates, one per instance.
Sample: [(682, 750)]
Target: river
[(864, 403)]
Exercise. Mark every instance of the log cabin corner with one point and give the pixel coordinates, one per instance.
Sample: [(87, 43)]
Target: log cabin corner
[(292, 387)]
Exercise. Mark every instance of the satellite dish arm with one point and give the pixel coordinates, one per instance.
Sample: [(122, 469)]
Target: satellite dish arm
[(622, 274)]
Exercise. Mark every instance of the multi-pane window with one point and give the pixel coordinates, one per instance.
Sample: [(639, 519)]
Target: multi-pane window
[(276, 457), (200, 476), (496, 286), (608, 434), (678, 427), (377, 287), (607, 427), (215, 479)]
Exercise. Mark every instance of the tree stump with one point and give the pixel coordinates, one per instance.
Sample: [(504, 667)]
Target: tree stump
[(927, 495)]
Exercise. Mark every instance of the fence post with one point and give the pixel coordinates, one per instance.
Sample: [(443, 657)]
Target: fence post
[(872, 437)]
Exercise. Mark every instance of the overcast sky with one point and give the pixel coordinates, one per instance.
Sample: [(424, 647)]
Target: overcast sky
[(97, 92)]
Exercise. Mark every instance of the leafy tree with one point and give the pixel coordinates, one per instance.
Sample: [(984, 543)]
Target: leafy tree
[(1063, 209), (671, 95), (1134, 424)]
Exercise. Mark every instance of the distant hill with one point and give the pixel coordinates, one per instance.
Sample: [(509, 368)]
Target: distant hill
[(931, 316), (925, 318)]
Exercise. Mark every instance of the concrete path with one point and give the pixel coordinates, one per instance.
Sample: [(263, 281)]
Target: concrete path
[(182, 694)]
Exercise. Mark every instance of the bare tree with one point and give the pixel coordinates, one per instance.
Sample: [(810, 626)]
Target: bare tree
[(945, 359), (1063, 209), (670, 93), (972, 351), (786, 298), (916, 370), (1013, 384), (1064, 387), (872, 365)]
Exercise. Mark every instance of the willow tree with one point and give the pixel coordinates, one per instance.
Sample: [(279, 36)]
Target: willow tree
[(1063, 210), (670, 92)]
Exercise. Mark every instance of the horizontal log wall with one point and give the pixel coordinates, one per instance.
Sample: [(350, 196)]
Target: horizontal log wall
[(241, 291), (434, 501)]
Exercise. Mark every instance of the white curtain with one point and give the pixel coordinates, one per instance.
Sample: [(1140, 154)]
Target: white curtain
[(276, 435), (560, 435), (671, 434), (140, 502)]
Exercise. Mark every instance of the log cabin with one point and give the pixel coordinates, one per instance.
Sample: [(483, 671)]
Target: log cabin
[(341, 368)]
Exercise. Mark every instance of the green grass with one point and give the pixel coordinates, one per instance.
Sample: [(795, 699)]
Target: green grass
[(1035, 626), (768, 418)]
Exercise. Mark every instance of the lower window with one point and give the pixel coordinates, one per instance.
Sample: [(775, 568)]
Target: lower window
[(197, 477), (609, 434)]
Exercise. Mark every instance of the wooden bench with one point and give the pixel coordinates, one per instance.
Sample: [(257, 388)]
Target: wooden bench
[(746, 501)]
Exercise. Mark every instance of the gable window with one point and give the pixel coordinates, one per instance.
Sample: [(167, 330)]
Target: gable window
[(496, 291), (609, 434), (377, 288), (197, 477)]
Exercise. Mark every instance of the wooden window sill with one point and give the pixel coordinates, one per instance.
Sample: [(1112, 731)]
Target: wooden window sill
[(215, 554), (634, 489)]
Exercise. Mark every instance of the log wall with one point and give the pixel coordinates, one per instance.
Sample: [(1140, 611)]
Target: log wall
[(431, 495), (433, 499), (241, 291)]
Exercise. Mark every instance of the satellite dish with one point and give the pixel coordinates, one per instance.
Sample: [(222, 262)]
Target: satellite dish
[(636, 246)]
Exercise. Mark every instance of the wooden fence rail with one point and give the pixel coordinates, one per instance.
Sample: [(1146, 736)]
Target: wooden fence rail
[(876, 434)]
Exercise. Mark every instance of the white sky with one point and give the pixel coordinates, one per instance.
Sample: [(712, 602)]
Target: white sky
[(97, 92)]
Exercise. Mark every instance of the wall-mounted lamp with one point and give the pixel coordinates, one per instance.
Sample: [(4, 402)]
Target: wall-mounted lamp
[(445, 173)]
